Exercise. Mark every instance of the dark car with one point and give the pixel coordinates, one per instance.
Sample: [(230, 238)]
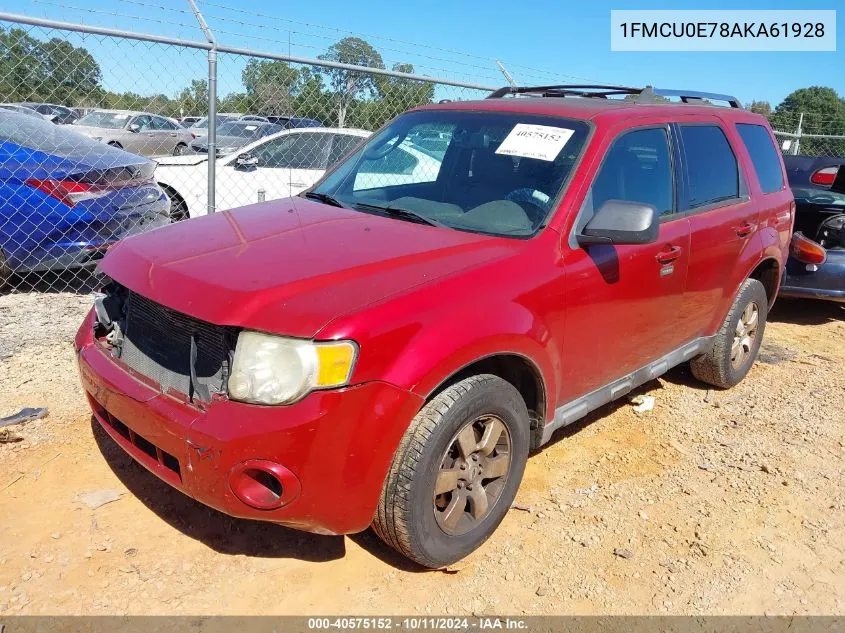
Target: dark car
[(388, 347), (65, 198), (816, 266), (290, 122), (232, 135), (57, 113)]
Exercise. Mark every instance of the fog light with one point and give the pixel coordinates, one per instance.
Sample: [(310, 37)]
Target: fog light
[(263, 484)]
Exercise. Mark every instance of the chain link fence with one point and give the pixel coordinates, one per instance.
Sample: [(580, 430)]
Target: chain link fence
[(105, 134), (809, 134)]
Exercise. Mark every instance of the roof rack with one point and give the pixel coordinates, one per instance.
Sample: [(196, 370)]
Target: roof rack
[(599, 91)]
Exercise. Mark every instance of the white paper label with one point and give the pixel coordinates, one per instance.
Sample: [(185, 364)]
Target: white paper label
[(251, 127), (535, 141), (121, 117)]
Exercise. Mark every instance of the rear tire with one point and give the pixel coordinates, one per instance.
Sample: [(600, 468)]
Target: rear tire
[(115, 144), (738, 340), (456, 472), (180, 149)]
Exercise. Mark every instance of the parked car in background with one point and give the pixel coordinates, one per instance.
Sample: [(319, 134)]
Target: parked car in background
[(200, 128), (58, 114), (64, 198), (20, 109), (273, 167), (291, 122), (188, 121), (387, 348), (137, 132), (232, 135), (816, 266)]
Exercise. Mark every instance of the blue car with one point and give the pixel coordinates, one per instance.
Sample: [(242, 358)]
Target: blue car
[(65, 198), (816, 266)]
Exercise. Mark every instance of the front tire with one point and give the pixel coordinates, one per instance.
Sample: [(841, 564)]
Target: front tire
[(5, 272), (738, 340), (456, 472)]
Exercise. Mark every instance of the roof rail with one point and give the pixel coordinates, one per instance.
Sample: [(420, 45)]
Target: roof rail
[(562, 90), (599, 91)]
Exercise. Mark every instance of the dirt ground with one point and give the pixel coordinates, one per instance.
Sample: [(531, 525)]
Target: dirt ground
[(726, 502)]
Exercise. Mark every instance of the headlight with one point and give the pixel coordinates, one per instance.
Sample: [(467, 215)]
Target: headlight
[(270, 369)]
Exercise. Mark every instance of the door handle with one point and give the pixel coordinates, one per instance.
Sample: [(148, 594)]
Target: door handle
[(743, 229), (669, 255)]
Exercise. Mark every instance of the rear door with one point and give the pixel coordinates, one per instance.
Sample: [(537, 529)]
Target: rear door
[(622, 300), (723, 220), (164, 135)]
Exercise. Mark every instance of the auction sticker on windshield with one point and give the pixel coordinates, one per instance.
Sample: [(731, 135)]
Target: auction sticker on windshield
[(543, 142)]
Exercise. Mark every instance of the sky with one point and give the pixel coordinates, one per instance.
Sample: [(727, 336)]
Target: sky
[(548, 41)]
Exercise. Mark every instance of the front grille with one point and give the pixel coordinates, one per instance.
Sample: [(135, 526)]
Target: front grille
[(157, 343)]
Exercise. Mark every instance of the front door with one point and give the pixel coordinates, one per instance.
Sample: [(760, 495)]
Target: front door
[(622, 300)]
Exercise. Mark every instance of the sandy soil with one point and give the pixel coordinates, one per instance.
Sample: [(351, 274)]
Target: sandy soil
[(728, 502)]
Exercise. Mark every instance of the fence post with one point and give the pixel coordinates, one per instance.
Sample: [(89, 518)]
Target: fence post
[(212, 129), (212, 107), (798, 134)]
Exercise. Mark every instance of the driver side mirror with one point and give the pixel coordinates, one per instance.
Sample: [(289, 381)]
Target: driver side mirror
[(135, 127), (246, 162), (621, 222)]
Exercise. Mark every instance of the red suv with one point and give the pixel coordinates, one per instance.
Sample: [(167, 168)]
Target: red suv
[(387, 348)]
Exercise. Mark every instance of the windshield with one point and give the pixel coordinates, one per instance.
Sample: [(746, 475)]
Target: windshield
[(243, 129), (110, 120), (221, 118), (486, 172)]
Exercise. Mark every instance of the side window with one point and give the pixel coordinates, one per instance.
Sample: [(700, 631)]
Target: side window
[(765, 158), (637, 168), (144, 122), (342, 144), (157, 123), (711, 165), (294, 151)]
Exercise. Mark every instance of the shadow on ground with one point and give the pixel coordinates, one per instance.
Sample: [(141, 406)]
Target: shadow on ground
[(218, 531), (807, 311)]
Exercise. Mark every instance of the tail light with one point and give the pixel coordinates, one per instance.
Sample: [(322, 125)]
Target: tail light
[(806, 250), (70, 192), (824, 177)]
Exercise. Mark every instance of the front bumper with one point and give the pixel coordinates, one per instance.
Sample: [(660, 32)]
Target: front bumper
[(828, 282), (338, 444)]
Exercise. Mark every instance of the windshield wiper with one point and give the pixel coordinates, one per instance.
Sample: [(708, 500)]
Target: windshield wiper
[(398, 212), (324, 198)]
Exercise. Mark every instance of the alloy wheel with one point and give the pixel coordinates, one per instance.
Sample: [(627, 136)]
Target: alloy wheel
[(472, 474), (744, 335)]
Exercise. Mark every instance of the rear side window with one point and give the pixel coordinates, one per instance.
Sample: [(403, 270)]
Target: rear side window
[(764, 156), (711, 165)]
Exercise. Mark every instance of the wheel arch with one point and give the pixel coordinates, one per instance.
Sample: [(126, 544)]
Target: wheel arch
[(515, 368), (172, 193), (768, 272)]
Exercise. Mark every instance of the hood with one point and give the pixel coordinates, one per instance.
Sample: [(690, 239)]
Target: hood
[(224, 143), (186, 159), (291, 266)]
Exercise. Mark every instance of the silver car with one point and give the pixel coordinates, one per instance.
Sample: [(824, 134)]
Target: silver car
[(137, 132)]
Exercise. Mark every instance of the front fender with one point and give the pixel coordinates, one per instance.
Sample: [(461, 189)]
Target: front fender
[(442, 348)]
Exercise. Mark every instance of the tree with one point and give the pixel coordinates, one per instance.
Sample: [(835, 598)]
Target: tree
[(824, 113), (193, 100), (270, 85), (70, 73), (760, 107), (348, 85)]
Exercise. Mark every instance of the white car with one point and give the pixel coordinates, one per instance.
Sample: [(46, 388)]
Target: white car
[(276, 166), (284, 165)]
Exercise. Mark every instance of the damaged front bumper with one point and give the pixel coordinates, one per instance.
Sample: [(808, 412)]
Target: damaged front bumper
[(333, 447)]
